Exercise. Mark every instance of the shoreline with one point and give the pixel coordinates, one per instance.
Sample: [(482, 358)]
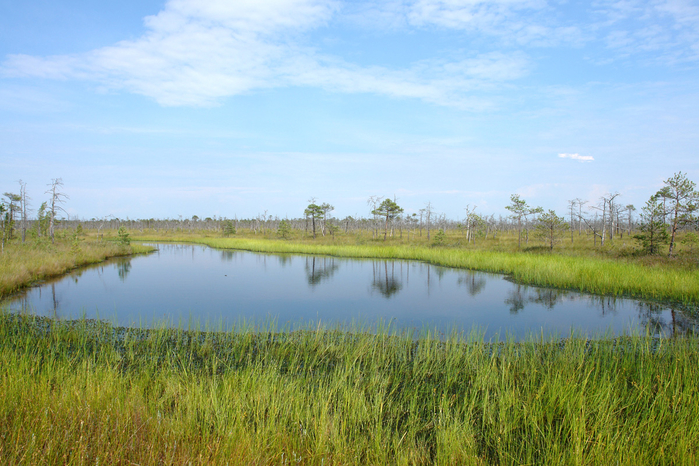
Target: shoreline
[(605, 277), (32, 266)]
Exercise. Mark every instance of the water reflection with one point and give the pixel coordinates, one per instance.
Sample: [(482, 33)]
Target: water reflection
[(319, 269), (548, 298), (123, 267), (284, 260), (516, 299), (384, 278), (227, 255), (606, 305), (680, 323), (180, 282), (474, 282)]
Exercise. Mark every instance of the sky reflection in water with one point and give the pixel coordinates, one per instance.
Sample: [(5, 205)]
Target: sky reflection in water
[(187, 285)]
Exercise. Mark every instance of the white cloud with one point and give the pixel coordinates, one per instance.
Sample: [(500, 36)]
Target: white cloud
[(196, 54), (665, 31), (518, 22), (581, 158)]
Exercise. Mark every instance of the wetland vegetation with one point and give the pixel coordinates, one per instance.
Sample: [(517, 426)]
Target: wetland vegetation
[(88, 392), (84, 392), (25, 264)]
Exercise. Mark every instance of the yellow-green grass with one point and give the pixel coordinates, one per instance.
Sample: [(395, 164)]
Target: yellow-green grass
[(79, 393), (22, 264), (587, 273)]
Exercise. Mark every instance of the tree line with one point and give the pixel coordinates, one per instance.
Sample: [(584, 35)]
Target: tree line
[(672, 208)]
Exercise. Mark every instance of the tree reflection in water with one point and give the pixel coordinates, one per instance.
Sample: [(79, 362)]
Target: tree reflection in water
[(227, 255), (123, 267), (680, 323), (319, 269), (474, 282), (521, 295), (386, 284), (605, 304), (516, 299), (284, 259)]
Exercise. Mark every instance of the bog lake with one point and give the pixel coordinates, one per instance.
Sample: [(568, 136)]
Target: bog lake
[(193, 286)]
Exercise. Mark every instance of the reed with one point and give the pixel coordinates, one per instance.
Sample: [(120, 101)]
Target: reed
[(87, 393), (585, 273)]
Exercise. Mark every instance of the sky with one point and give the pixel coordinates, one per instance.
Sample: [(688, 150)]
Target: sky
[(161, 109)]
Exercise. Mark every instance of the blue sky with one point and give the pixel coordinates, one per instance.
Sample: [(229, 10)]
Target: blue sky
[(160, 109)]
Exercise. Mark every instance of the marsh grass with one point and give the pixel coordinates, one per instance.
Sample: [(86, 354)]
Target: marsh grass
[(85, 392), (22, 264), (579, 268)]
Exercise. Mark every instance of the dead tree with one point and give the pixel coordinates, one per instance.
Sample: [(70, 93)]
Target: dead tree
[(57, 198)]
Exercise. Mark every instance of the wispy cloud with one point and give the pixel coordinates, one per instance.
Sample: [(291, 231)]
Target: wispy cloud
[(665, 31), (514, 22), (518, 21), (581, 158), (196, 54)]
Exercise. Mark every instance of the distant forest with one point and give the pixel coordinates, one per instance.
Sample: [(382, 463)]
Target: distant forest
[(673, 208)]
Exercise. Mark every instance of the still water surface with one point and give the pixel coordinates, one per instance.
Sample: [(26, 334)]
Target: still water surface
[(184, 285)]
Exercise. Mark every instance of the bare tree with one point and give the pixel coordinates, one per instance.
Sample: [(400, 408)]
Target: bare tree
[(607, 209), (23, 203), (580, 203), (374, 201), (629, 211), (3, 225), (591, 224), (326, 209), (428, 211), (469, 220), (57, 198), (571, 205)]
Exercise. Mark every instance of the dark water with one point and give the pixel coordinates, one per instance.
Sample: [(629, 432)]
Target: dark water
[(187, 285)]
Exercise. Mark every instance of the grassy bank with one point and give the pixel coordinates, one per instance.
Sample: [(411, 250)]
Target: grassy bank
[(21, 265), (86, 393), (592, 273)]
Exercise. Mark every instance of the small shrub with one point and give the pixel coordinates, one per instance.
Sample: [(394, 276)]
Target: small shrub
[(284, 229), (228, 228), (123, 237), (439, 239), (75, 244)]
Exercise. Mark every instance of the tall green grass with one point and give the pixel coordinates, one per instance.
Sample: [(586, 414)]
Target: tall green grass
[(598, 275), (87, 393)]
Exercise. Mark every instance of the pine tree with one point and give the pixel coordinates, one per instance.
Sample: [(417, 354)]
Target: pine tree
[(551, 228), (284, 229), (388, 209), (653, 229), (683, 201)]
